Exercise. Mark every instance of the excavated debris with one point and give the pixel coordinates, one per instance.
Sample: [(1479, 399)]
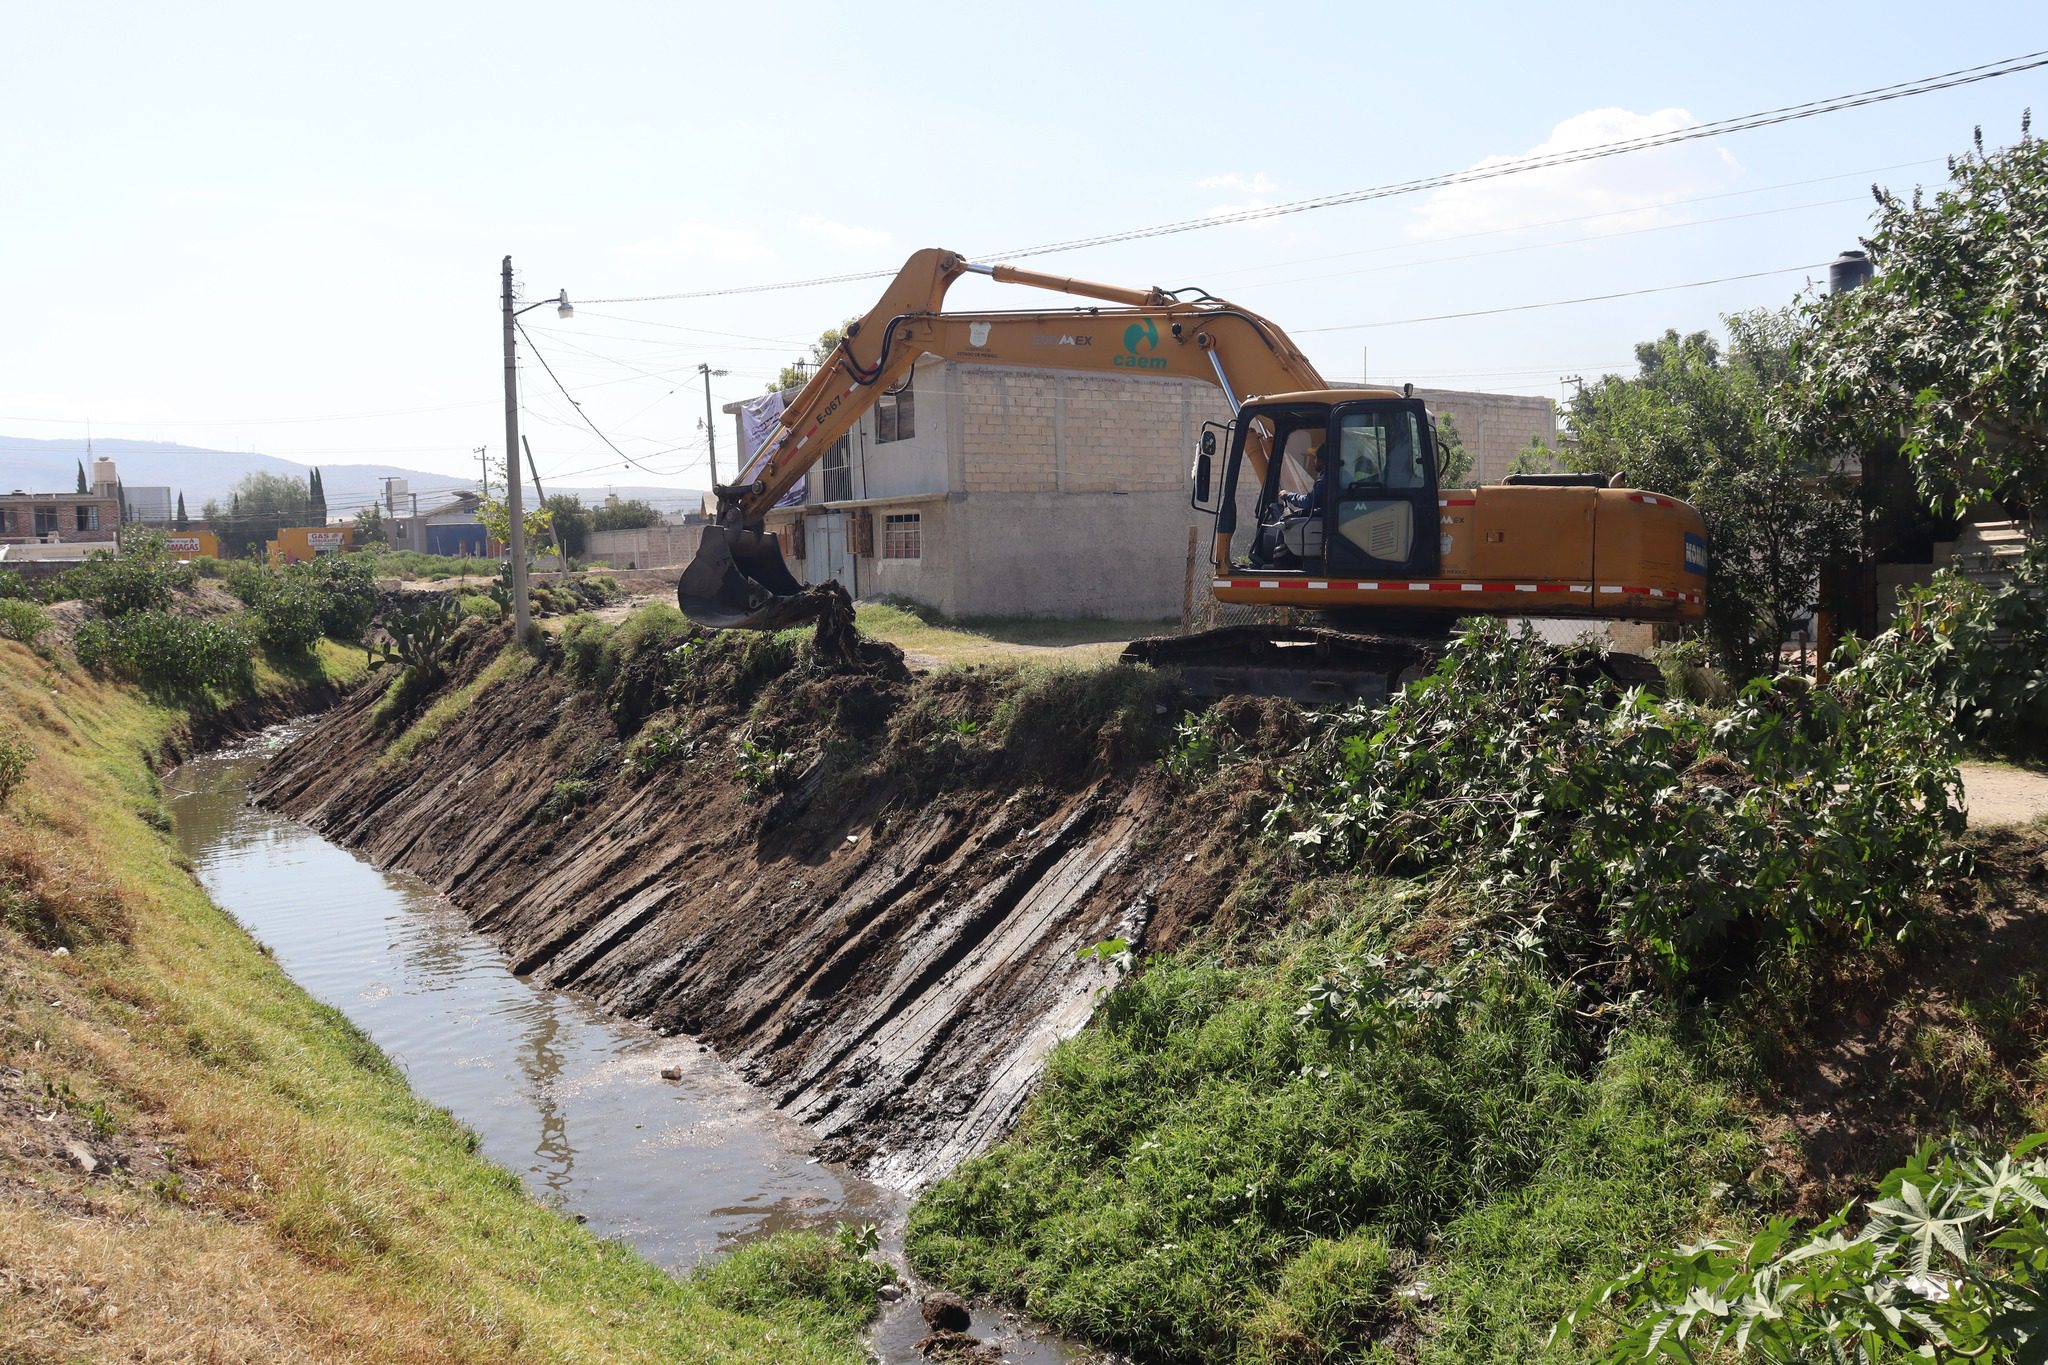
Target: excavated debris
[(886, 935)]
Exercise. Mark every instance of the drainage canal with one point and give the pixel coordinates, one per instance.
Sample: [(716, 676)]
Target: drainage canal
[(648, 1139)]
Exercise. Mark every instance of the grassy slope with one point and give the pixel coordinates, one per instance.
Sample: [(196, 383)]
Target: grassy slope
[(285, 1195), (1202, 1178)]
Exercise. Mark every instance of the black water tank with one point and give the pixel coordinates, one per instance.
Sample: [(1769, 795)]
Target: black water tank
[(1848, 270)]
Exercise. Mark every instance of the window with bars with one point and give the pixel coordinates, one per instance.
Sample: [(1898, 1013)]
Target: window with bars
[(903, 536), (836, 469), (46, 521), (88, 518), (896, 416)]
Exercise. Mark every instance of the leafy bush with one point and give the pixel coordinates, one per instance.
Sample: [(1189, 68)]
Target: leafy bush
[(1952, 1263), (1803, 812), (166, 653), (15, 755), (1063, 720), (14, 586), (1988, 653), (22, 620), (142, 577)]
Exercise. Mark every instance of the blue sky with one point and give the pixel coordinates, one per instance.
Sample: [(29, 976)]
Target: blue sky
[(278, 227)]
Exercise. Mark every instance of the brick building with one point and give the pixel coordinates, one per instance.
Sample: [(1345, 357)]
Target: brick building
[(986, 490), (63, 518)]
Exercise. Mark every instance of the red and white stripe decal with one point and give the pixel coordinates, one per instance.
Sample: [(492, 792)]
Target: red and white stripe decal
[(1457, 502), (1457, 585), (1651, 499), (1398, 585)]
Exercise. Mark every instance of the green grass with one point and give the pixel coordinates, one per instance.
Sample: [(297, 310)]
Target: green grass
[(920, 630), (512, 662), (317, 1208), (1206, 1177)]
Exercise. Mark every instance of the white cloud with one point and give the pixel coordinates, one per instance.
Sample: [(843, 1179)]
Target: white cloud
[(1631, 190), (707, 240), (845, 234), (1254, 184)]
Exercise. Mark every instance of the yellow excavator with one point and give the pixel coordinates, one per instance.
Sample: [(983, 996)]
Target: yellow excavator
[(1327, 500)]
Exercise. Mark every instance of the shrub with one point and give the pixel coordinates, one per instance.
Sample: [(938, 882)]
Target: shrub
[(1949, 1265), (1804, 812), (479, 605), (13, 585), (166, 653), (15, 755), (22, 620), (1988, 653), (141, 577)]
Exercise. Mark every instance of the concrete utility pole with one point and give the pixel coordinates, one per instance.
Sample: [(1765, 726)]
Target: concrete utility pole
[(483, 469), (710, 426), (522, 619)]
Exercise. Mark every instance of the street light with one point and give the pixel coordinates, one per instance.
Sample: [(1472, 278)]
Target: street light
[(711, 427), (522, 622)]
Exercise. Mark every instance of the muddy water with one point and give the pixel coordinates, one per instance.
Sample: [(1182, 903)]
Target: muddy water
[(571, 1099), (575, 1100)]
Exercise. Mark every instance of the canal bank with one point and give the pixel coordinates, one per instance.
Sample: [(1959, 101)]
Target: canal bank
[(200, 1161)]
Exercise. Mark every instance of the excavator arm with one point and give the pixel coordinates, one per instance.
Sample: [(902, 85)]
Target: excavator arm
[(739, 578)]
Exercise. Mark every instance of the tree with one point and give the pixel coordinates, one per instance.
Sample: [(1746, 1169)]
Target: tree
[(183, 523), (572, 523), (496, 517), (81, 476), (795, 375), (1705, 429), (1535, 458), (1946, 343), (629, 515), (370, 525), (316, 500), (1453, 460), (259, 506)]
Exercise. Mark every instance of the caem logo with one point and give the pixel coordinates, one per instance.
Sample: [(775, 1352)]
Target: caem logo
[(1148, 333)]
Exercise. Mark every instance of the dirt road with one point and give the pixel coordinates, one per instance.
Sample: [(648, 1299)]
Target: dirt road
[(2002, 795)]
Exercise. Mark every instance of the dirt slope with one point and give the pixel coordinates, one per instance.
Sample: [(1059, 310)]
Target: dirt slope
[(891, 957)]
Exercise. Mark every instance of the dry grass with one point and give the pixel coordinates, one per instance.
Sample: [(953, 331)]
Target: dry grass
[(1001, 641)]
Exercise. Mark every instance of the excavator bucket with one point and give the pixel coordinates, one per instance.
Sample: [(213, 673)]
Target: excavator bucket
[(739, 582)]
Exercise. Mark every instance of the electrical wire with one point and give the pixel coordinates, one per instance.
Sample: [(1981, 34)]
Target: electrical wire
[(1500, 169), (573, 403), (1559, 303)]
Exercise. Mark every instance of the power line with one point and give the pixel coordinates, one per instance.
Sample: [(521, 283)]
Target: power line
[(1514, 166), (573, 403), (1558, 303)]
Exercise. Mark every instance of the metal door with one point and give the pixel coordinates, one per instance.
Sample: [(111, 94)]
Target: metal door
[(825, 556)]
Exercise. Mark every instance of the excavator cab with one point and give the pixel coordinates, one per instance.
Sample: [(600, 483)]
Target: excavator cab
[(1350, 488)]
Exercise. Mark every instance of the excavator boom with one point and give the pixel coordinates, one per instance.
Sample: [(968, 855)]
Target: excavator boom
[(1371, 541)]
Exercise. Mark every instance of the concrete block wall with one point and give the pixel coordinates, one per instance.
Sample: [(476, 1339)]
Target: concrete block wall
[(653, 547), (1494, 426)]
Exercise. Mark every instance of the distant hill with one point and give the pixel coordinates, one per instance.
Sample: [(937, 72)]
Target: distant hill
[(39, 466)]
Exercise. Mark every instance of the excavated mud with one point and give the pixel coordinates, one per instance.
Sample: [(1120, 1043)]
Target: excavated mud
[(887, 938)]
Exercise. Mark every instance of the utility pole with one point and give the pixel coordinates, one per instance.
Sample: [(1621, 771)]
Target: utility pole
[(483, 466), (521, 615), (711, 427)]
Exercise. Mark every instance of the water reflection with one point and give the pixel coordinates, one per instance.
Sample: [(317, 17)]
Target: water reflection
[(572, 1099)]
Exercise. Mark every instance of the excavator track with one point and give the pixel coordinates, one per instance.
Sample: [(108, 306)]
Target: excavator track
[(1309, 664), (1318, 666)]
